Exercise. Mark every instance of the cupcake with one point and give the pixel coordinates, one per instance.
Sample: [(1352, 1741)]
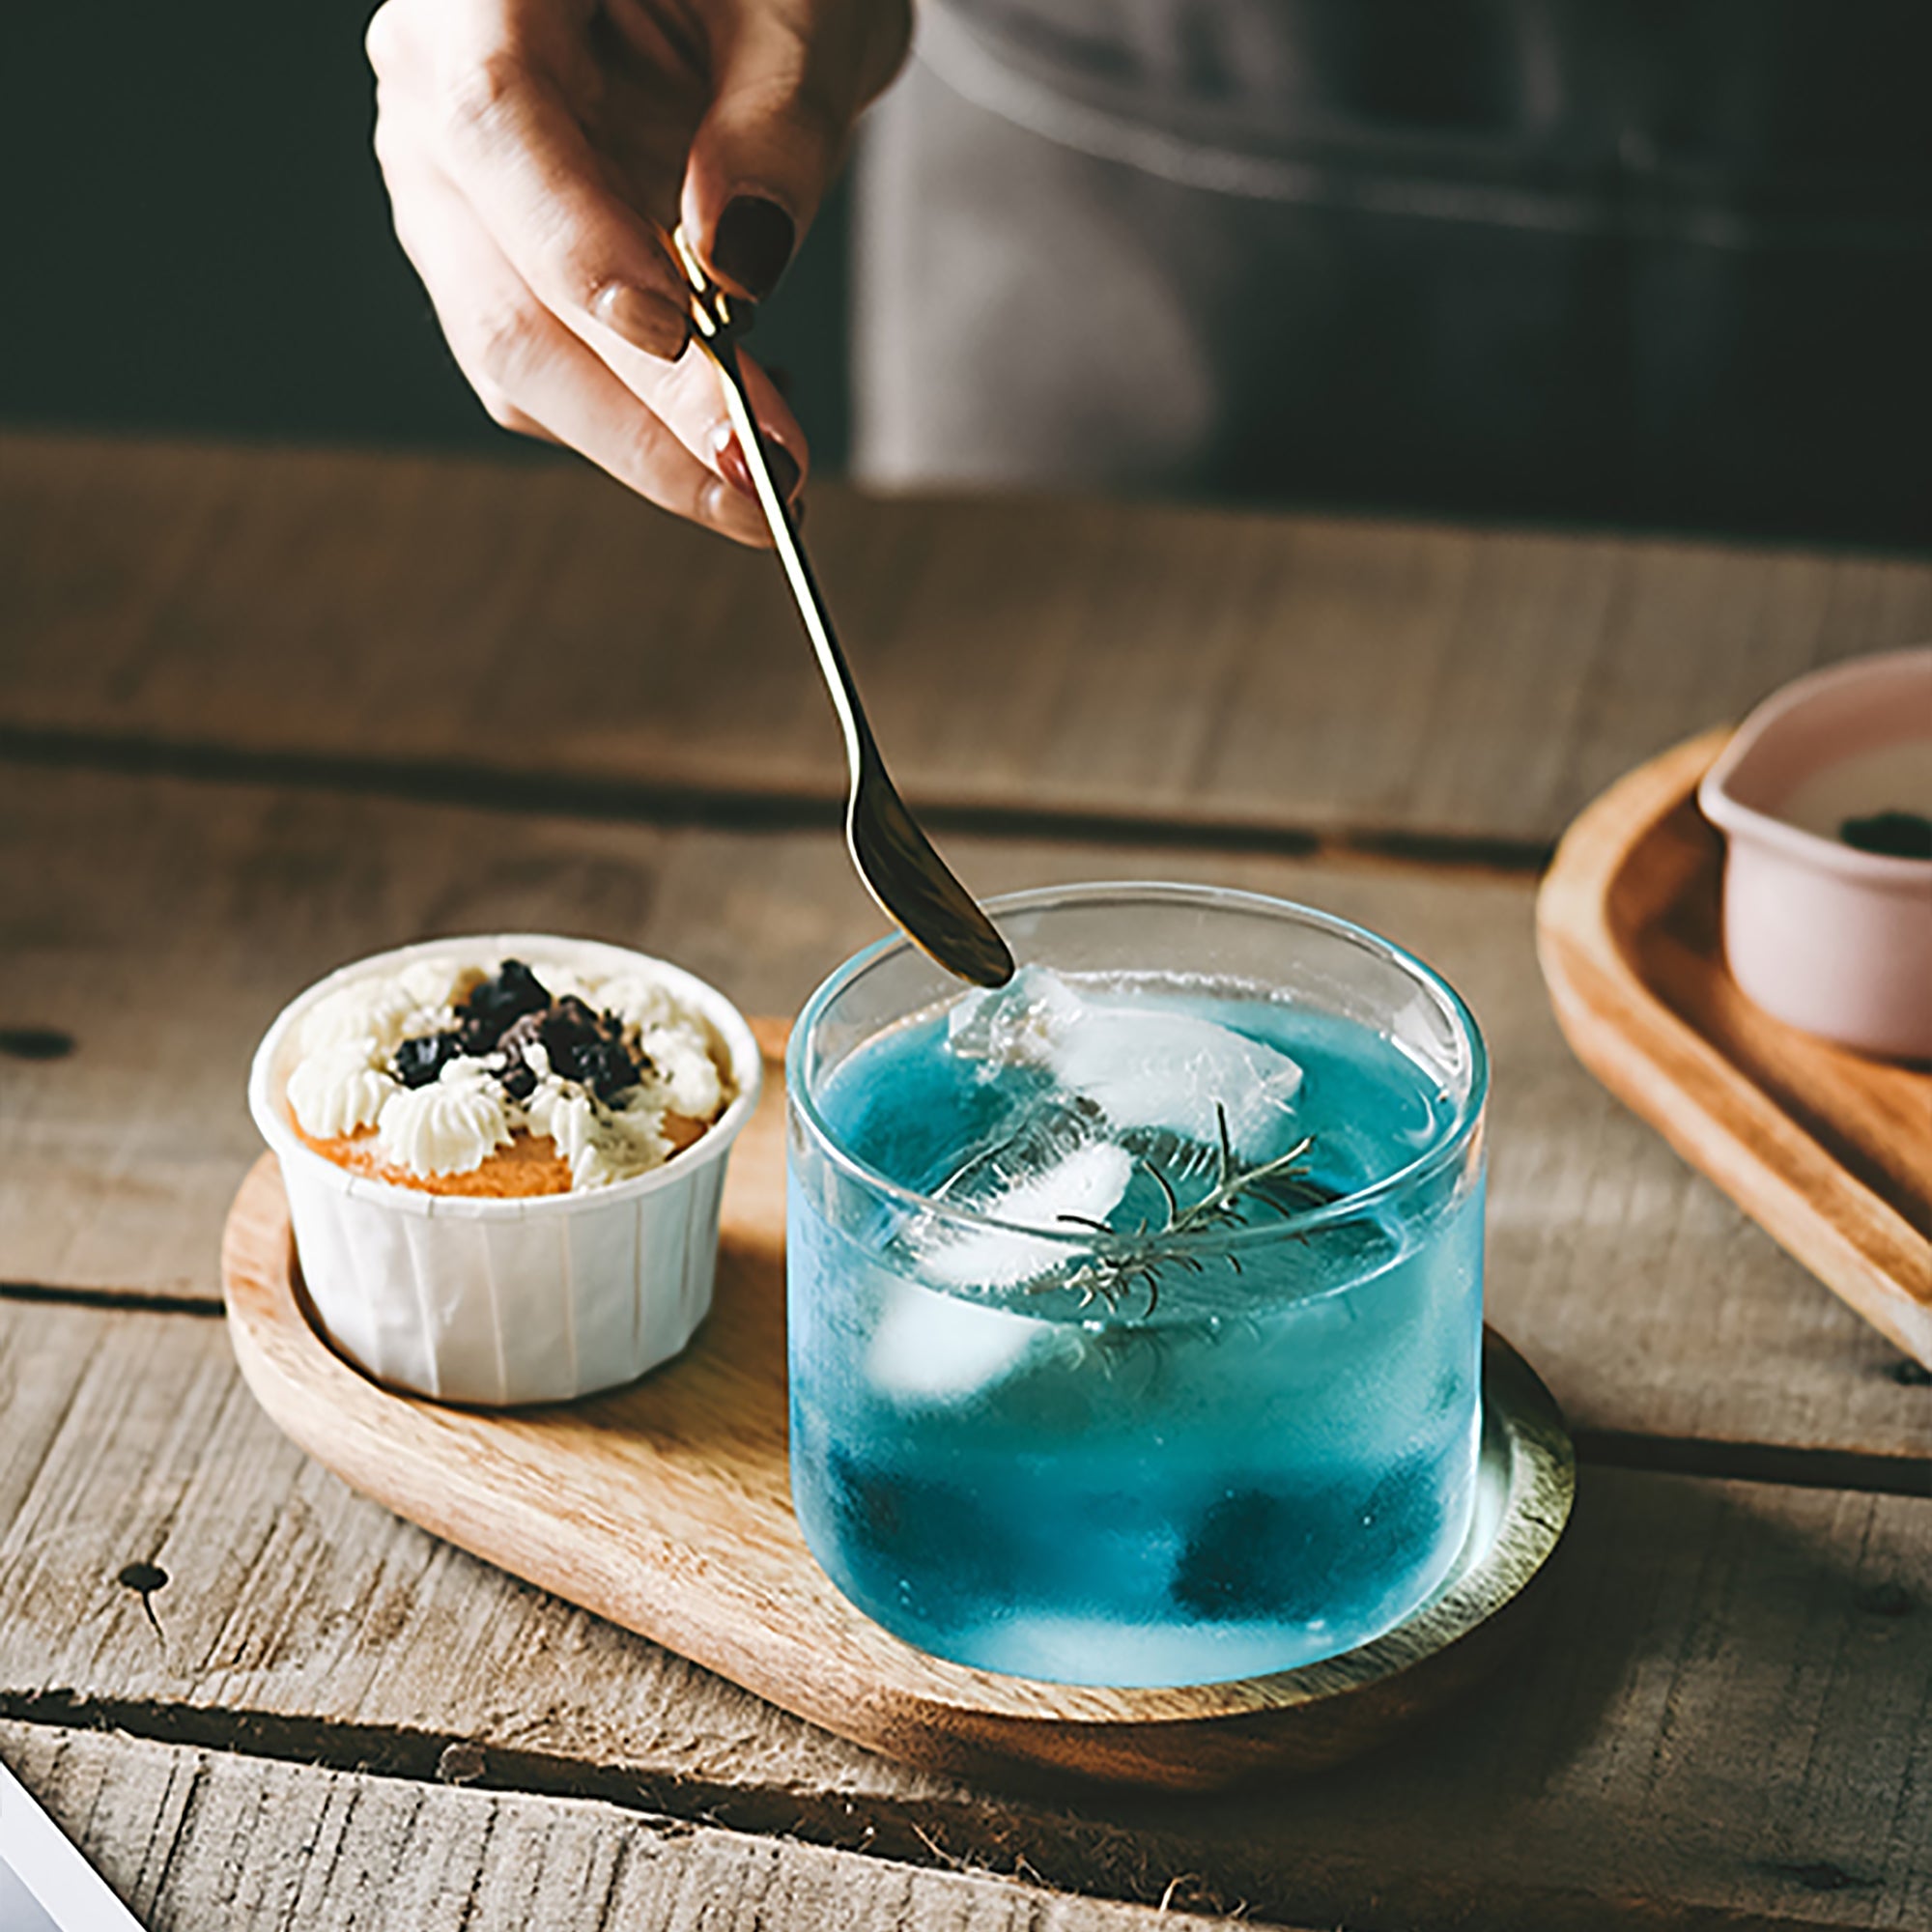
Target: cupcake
[(504, 1157)]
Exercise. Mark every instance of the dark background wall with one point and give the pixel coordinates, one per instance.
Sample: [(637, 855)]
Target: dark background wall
[(196, 240)]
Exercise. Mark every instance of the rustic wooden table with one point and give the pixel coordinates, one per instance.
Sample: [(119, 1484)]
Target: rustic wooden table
[(261, 711)]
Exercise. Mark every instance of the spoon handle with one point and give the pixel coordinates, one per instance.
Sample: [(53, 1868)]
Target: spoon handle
[(860, 749), (913, 885)]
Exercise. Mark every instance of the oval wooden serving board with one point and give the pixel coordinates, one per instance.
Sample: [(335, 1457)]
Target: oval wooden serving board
[(1832, 1153), (666, 1507)]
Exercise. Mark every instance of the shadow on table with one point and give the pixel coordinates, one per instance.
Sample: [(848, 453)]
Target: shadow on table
[(1716, 1710)]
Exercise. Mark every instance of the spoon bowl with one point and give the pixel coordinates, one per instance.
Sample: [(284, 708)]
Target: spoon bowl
[(913, 884)]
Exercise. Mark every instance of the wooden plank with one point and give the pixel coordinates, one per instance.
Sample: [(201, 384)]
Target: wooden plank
[(1726, 1712), (161, 922), (205, 1841), (1165, 666)]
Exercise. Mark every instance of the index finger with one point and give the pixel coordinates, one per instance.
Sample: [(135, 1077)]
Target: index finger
[(527, 169)]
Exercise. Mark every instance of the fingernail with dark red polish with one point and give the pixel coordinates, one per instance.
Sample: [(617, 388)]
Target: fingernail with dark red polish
[(646, 322), (782, 463), (754, 242), (784, 468)]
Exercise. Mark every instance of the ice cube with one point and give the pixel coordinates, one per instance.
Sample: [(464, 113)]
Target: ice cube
[(1142, 1063), (1038, 1131), (932, 1347), (1019, 1024), (1083, 1178)]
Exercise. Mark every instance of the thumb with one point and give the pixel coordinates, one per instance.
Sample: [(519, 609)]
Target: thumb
[(787, 93)]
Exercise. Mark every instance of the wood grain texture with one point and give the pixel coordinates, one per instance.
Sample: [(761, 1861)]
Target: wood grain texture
[(202, 1841), (1158, 665), (163, 922), (1726, 1711), (1724, 1722), (1830, 1150), (667, 1508)]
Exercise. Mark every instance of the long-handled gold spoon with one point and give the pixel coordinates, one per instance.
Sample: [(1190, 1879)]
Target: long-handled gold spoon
[(896, 861)]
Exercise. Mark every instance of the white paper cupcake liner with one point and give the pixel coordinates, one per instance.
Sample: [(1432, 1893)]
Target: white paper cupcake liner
[(499, 1302)]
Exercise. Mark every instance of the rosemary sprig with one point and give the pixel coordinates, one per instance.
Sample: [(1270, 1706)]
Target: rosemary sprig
[(1139, 1257)]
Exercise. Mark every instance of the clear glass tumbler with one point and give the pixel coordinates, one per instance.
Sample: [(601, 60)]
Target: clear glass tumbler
[(1156, 1449)]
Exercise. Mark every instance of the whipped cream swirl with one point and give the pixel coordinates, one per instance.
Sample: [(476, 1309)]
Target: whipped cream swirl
[(445, 1074), (451, 1127), (339, 1088)]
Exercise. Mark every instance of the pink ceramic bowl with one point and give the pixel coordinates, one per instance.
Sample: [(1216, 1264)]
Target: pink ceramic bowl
[(1831, 938)]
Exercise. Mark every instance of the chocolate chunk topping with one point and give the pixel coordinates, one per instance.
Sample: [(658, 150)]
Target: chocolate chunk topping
[(495, 1005), (588, 1046), (582, 1045), (520, 1082), (512, 1011), (1898, 835), (526, 1031), (420, 1060)]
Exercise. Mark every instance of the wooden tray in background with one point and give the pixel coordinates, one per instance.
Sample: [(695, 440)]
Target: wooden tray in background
[(667, 1508), (1830, 1150)]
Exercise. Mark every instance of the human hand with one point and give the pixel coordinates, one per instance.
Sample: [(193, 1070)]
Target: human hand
[(536, 150)]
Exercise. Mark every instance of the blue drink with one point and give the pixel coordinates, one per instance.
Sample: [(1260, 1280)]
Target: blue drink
[(1135, 1315)]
